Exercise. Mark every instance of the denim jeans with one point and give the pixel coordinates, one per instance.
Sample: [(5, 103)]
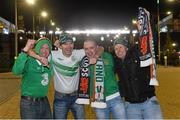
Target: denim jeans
[(62, 105), (35, 109), (114, 106), (150, 109)]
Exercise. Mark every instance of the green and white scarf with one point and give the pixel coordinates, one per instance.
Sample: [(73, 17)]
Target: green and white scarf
[(98, 98), (98, 92)]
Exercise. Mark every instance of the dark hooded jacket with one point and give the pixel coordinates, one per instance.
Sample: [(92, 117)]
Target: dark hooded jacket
[(134, 80)]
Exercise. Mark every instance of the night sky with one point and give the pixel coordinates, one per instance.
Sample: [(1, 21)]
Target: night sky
[(82, 14)]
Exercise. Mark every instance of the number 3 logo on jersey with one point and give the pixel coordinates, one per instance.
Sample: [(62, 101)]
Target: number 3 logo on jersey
[(45, 80)]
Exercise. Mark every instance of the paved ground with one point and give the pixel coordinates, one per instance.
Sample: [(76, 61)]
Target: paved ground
[(169, 91), (168, 94), (10, 96), (9, 84)]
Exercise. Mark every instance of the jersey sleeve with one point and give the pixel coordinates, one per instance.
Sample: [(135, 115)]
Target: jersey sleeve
[(19, 64)]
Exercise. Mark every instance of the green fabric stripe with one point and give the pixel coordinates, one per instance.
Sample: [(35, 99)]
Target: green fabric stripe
[(99, 72), (73, 68), (65, 70)]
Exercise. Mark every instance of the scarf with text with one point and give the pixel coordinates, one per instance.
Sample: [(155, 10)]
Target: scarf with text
[(144, 42), (146, 45), (84, 78), (98, 98)]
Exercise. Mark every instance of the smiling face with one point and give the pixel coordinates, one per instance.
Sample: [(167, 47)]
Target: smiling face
[(90, 48), (45, 51), (67, 48), (120, 51)]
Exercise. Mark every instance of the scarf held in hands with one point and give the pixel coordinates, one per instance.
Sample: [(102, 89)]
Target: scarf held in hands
[(98, 92), (84, 79), (98, 98), (146, 45)]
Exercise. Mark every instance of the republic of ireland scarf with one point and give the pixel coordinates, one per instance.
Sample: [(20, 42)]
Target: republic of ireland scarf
[(98, 98)]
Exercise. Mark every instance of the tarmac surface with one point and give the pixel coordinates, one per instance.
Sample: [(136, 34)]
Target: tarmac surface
[(168, 94)]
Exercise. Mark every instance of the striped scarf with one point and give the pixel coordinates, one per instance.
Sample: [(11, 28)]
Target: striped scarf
[(98, 99), (146, 52), (83, 90), (98, 92)]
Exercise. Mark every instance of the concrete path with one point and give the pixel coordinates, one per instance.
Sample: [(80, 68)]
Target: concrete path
[(168, 94)]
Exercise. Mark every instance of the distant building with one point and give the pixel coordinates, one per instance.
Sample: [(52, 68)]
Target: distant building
[(6, 27), (170, 23)]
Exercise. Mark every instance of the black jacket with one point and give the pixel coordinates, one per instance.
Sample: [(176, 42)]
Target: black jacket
[(134, 80)]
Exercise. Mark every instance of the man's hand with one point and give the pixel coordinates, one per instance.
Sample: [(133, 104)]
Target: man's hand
[(56, 43), (100, 51), (138, 23), (29, 45), (43, 60), (92, 60)]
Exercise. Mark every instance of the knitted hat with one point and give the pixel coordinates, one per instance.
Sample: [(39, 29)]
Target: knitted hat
[(124, 42), (40, 42), (65, 38)]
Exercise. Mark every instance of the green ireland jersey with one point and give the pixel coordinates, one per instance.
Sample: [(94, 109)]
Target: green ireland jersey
[(110, 82), (35, 77)]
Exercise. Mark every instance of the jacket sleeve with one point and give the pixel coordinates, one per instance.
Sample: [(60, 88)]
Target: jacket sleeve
[(110, 60), (19, 64)]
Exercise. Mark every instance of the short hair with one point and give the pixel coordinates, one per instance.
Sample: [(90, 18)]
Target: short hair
[(90, 39)]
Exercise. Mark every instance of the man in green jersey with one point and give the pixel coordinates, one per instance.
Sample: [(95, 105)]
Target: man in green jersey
[(104, 93), (36, 77)]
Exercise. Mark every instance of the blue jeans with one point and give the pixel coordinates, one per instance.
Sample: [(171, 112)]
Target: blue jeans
[(62, 105), (150, 109), (35, 109), (115, 106)]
